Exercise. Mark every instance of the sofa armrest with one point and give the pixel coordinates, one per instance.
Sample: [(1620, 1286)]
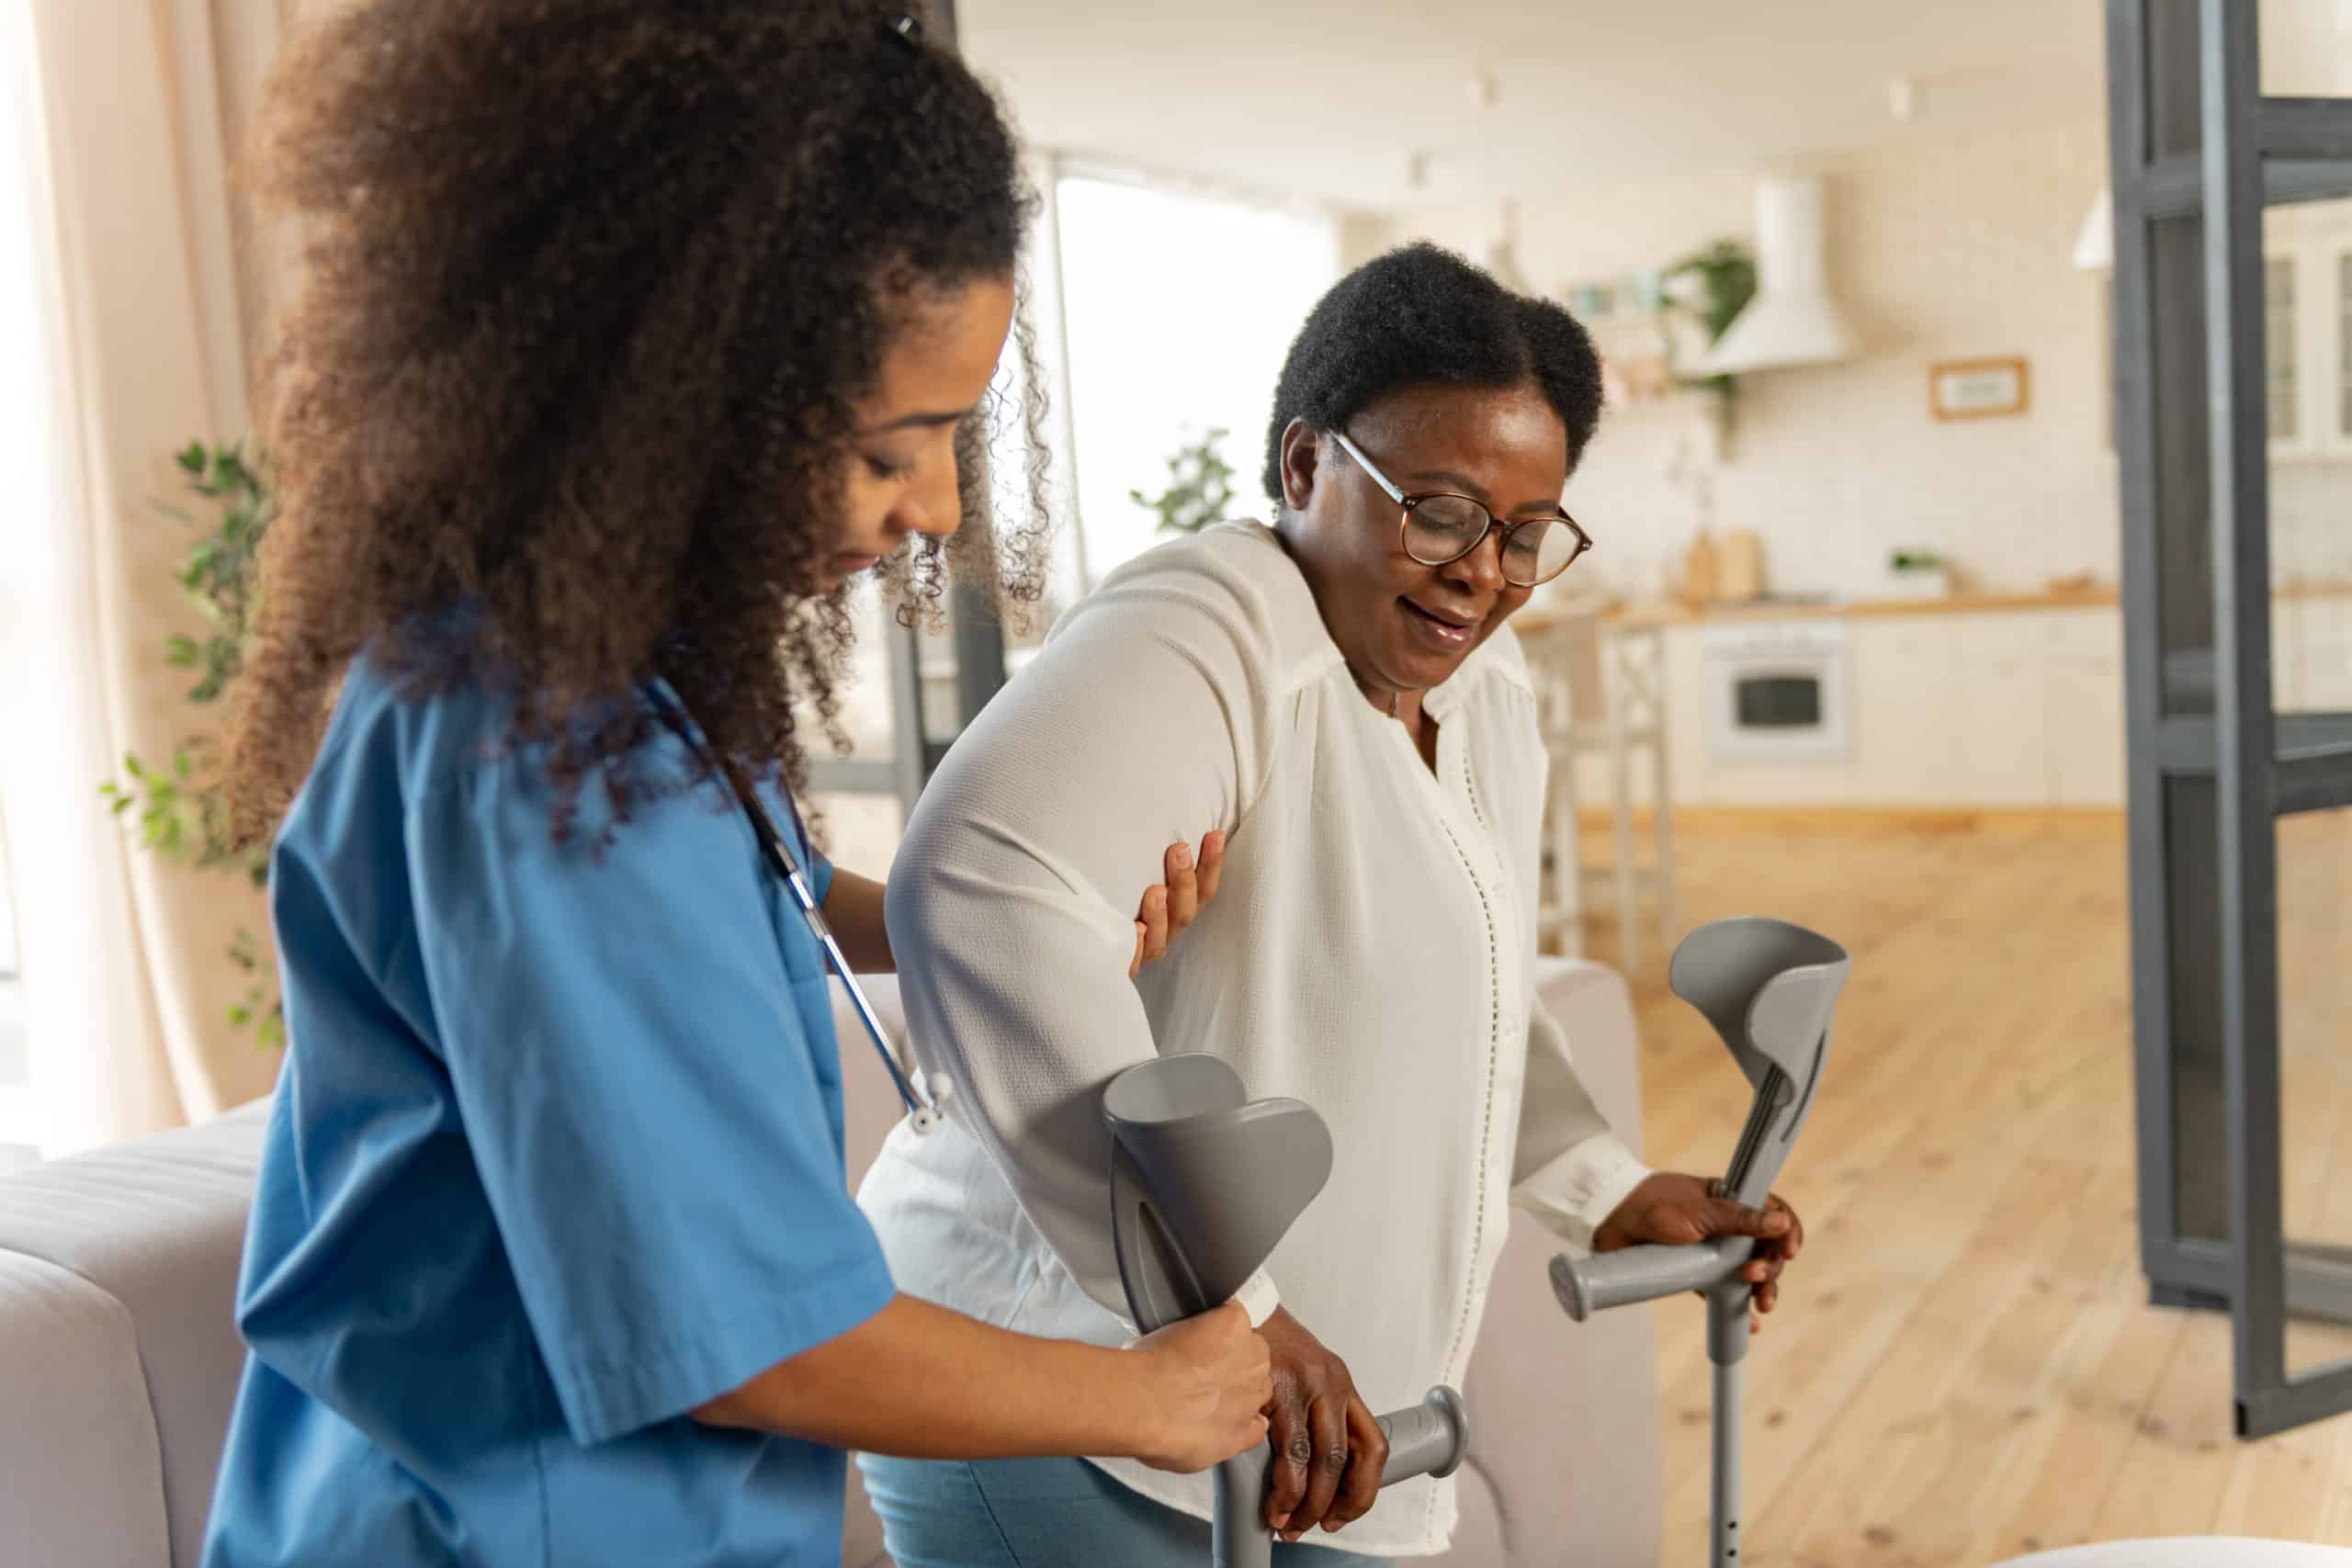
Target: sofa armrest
[(156, 1228), (1566, 1450), (81, 1472), (1595, 1011)]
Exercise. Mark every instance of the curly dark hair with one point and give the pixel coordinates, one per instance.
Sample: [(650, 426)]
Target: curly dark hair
[(591, 288), (1422, 313)]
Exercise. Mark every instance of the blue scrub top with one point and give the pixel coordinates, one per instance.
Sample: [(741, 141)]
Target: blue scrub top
[(556, 1157)]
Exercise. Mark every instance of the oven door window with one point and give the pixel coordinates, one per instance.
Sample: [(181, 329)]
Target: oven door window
[(1778, 702)]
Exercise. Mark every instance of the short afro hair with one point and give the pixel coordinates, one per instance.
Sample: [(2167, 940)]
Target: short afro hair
[(1422, 313)]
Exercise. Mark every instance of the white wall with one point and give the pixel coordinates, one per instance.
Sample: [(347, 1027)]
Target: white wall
[(1939, 248)]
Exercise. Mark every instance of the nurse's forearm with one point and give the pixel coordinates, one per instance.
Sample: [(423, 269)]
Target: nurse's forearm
[(853, 909), (921, 1381)]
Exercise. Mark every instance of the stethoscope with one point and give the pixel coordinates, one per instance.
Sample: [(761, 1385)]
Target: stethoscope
[(923, 1102)]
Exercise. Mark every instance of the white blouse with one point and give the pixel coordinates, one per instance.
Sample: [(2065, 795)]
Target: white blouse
[(1369, 952)]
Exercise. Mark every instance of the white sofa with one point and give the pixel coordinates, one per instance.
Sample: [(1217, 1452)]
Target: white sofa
[(118, 1357)]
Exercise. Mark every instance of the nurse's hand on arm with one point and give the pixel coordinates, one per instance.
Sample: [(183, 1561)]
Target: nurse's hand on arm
[(853, 907), (920, 1381)]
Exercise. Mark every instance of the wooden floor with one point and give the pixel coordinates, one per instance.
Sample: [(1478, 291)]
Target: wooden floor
[(1965, 1367)]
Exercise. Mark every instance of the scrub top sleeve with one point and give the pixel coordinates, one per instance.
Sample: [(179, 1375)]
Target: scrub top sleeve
[(639, 1093)]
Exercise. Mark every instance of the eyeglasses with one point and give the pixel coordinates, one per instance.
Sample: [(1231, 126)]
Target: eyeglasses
[(1439, 528)]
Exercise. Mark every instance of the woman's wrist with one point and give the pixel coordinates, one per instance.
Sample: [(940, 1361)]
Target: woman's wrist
[(1124, 1412)]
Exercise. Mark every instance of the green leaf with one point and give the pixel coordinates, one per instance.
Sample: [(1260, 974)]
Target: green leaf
[(180, 813)]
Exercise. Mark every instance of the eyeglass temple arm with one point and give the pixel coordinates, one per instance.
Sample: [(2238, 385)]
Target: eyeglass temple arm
[(1388, 487)]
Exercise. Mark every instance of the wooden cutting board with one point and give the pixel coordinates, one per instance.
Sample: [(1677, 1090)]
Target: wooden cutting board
[(1739, 566), (1700, 580)]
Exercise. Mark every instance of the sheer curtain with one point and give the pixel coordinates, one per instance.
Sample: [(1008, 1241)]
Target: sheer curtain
[(130, 292)]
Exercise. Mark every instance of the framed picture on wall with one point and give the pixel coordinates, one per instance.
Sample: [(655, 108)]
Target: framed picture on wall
[(1977, 389)]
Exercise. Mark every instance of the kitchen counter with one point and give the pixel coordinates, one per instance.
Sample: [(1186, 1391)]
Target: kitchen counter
[(1539, 615), (1674, 612)]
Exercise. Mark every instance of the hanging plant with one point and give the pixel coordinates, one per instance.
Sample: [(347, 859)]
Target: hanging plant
[(1711, 287)]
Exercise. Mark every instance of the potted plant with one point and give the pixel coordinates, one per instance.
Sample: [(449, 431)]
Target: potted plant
[(179, 805), (1918, 574), (1200, 487)]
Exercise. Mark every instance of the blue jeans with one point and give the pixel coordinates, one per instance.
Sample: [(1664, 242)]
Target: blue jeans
[(1043, 1512)]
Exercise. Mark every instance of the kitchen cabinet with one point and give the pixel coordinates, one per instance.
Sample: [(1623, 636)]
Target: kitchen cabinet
[(2307, 332), (2016, 709), (1908, 703), (2083, 702), (2307, 337), (2286, 655), (2311, 653), (2002, 697)]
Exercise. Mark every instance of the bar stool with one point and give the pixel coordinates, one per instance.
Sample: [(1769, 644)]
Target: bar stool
[(1600, 687)]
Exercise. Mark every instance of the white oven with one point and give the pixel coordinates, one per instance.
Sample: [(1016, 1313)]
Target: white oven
[(1779, 691)]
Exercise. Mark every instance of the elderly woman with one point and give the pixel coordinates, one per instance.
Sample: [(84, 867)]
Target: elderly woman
[(1340, 693)]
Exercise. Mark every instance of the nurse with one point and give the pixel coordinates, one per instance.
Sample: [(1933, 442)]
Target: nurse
[(631, 334)]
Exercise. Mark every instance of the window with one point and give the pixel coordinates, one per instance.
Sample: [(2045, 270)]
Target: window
[(1179, 307), (1159, 315)]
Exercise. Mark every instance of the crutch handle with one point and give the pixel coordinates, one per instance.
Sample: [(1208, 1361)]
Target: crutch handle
[(1429, 1438), (1605, 1279)]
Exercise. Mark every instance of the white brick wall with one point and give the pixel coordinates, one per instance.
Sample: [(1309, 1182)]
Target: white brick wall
[(1939, 248)]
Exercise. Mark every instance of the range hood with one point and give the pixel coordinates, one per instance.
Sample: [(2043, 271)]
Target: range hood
[(1791, 320)]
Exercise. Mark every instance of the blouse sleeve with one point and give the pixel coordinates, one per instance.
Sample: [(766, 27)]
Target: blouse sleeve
[(1571, 1171), (1011, 903)]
